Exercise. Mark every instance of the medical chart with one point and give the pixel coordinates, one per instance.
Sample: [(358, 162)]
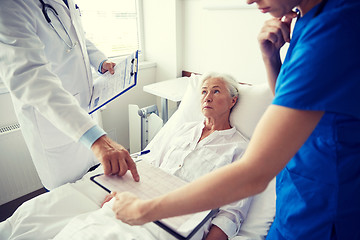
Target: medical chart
[(108, 87), (155, 182)]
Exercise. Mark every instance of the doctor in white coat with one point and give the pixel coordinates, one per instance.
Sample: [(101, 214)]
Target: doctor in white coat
[(47, 70)]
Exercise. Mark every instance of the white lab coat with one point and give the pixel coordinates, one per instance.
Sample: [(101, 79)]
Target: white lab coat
[(50, 86)]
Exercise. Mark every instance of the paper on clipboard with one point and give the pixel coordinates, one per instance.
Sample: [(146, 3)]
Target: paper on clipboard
[(108, 87), (155, 182)]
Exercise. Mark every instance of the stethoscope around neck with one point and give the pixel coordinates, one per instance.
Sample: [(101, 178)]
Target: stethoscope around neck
[(47, 7)]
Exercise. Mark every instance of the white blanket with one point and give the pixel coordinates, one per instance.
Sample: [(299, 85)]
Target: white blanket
[(44, 216), (102, 224), (73, 211)]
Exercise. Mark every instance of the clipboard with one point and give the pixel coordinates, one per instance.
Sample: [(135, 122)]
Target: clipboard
[(155, 182), (108, 87)]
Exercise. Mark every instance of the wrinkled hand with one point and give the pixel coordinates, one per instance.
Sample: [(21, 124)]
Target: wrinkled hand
[(130, 209), (108, 198), (274, 34), (108, 66), (114, 158)]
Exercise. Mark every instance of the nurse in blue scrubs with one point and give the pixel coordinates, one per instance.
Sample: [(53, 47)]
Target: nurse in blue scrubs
[(309, 137), (318, 192)]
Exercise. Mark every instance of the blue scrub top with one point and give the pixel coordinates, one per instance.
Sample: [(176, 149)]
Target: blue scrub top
[(318, 192)]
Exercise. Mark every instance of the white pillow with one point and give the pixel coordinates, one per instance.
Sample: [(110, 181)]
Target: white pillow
[(260, 216), (252, 103)]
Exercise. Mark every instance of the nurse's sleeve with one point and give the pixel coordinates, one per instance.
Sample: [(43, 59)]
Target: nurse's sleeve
[(322, 68)]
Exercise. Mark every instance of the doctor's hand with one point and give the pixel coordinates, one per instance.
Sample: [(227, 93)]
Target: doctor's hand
[(274, 34), (114, 158), (108, 66), (131, 210)]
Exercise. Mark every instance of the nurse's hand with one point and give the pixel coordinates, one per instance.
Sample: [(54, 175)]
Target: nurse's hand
[(274, 34), (114, 158), (108, 66), (131, 210)]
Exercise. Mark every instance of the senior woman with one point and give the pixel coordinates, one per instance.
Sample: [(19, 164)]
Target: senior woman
[(193, 150), (200, 147)]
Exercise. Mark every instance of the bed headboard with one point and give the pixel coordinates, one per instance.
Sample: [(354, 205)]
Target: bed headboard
[(188, 74)]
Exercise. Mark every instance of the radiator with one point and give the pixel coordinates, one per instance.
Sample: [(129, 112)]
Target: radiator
[(143, 125), (18, 176)]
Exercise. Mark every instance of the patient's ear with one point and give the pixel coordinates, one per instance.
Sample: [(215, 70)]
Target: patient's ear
[(233, 101)]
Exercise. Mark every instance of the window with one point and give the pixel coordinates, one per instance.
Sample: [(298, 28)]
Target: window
[(112, 25)]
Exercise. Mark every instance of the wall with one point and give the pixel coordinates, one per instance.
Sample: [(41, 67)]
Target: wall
[(162, 36), (163, 39), (223, 40), (181, 34)]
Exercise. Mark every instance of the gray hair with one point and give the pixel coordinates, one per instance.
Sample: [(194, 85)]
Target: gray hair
[(230, 82)]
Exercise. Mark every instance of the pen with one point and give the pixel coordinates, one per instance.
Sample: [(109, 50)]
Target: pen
[(140, 153)]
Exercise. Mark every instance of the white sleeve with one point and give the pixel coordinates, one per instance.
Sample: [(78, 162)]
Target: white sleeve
[(231, 216), (95, 55)]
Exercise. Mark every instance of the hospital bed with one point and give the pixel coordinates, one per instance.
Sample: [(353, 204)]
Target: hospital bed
[(44, 216)]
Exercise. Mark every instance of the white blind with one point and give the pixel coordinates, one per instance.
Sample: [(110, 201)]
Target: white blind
[(112, 25)]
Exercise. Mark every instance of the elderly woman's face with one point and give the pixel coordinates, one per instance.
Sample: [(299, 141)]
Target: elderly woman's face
[(215, 98)]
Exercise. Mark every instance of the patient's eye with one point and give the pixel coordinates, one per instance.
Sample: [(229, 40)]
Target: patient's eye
[(216, 91), (203, 92)]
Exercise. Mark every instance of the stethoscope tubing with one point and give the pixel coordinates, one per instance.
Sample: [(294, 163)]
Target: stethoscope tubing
[(45, 8)]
